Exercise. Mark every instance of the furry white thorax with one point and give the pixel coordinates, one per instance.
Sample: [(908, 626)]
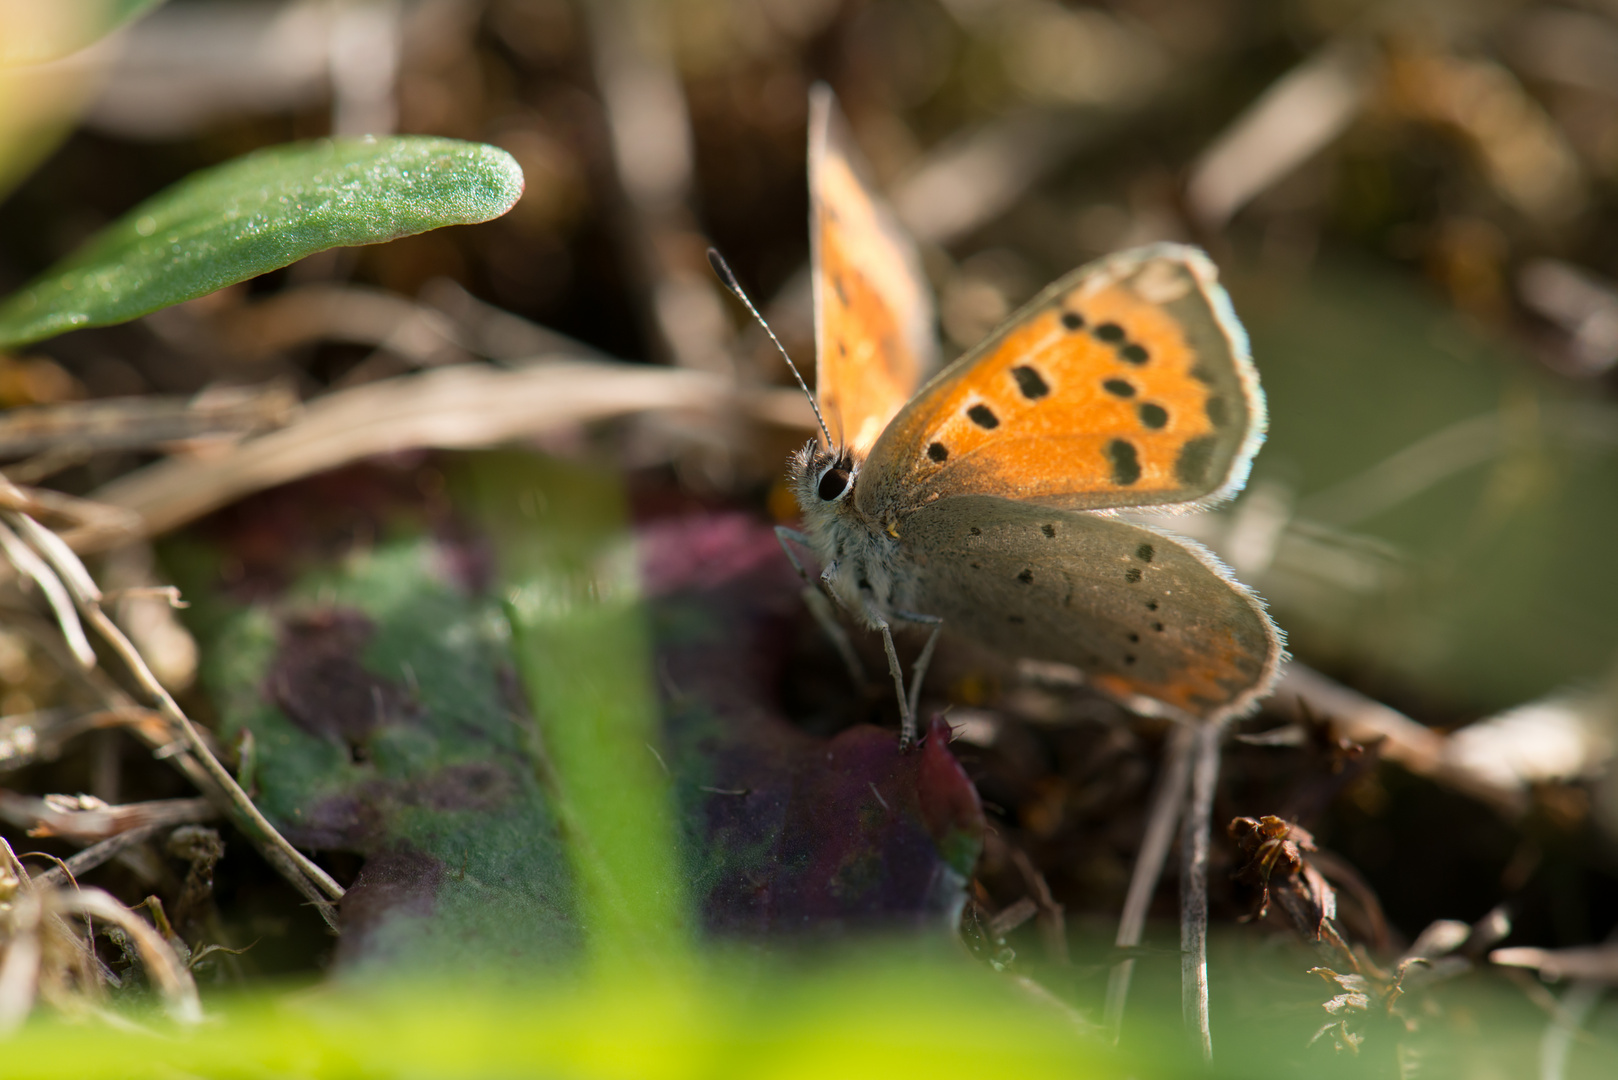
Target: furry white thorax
[(861, 563)]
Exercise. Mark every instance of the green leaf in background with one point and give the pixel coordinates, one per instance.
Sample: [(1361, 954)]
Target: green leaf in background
[(258, 213), (33, 32), (377, 691)]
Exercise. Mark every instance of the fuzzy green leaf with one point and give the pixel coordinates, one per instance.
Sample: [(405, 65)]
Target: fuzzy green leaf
[(258, 213)]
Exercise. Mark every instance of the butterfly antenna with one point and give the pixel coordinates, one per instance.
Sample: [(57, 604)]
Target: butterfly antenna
[(728, 277)]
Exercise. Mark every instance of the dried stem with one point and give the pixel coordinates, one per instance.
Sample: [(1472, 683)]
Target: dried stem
[(1167, 802), (1194, 842), (87, 597), (162, 964), (194, 742), (97, 854), (56, 594)]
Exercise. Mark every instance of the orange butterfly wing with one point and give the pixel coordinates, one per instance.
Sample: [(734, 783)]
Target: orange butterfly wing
[(873, 309), (1126, 383)]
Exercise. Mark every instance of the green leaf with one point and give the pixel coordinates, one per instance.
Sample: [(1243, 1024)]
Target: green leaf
[(36, 33), (566, 565), (374, 689), (258, 213)]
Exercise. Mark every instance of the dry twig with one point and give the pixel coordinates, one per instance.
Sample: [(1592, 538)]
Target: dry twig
[(456, 408), (45, 957), (309, 878), (1167, 802)]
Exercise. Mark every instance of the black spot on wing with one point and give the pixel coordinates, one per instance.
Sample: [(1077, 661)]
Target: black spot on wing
[(1132, 575), (1153, 416), (1125, 462), (1144, 553), (1196, 459), (983, 417), (975, 531), (1134, 354), (1110, 332), (1119, 388), (1029, 381), (842, 347), (1049, 531), (839, 288), (938, 451), (1151, 605), (1026, 577), (1072, 320)]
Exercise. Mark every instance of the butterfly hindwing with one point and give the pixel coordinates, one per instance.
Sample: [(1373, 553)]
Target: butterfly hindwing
[(1142, 614), (1126, 383), (874, 339)]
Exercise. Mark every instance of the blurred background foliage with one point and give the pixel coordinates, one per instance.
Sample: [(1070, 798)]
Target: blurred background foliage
[(1414, 205)]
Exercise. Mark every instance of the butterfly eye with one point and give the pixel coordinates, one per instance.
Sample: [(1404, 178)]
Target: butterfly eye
[(833, 483)]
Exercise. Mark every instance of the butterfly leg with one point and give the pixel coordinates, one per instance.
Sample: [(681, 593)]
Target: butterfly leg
[(907, 715), (820, 607), (918, 670)]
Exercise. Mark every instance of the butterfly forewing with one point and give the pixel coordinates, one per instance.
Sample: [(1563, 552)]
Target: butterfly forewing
[(1142, 614), (873, 309), (1126, 383)]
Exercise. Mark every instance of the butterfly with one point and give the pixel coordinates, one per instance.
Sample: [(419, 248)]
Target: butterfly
[(983, 502)]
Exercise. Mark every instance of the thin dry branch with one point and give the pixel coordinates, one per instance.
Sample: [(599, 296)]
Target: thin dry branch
[(1167, 803), (150, 727), (1400, 739), (355, 314), (1301, 113), (649, 131), (31, 566), (44, 956), (309, 878), (1595, 963), (139, 423), (457, 408), (97, 854), (163, 965), (85, 820), (1194, 843)]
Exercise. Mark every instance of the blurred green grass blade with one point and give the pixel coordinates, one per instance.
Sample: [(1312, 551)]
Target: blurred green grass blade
[(568, 572), (51, 29), (853, 1011), (883, 1017), (256, 214)]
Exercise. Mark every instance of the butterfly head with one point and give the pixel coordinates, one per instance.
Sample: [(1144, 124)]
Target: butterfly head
[(823, 480)]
